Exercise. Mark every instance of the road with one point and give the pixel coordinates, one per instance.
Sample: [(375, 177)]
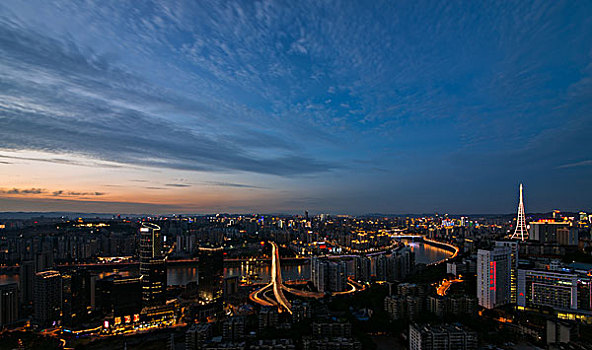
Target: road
[(277, 286), (276, 278), (442, 289)]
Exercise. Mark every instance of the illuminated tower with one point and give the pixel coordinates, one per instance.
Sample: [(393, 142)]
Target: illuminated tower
[(152, 266), (520, 232)]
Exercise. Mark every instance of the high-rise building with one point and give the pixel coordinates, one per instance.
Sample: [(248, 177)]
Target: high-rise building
[(8, 304), (396, 265), (437, 304), (317, 273), (44, 260), (328, 276), (197, 335), (404, 306), (233, 329), (567, 236), (273, 344), (331, 329), (231, 285), (336, 343), (363, 268), (560, 332), (546, 231), (494, 276), (27, 278), (441, 337), (408, 303), (336, 276), (268, 317), (210, 272), (47, 297), (119, 295), (152, 266), (76, 297), (514, 249), (300, 311)]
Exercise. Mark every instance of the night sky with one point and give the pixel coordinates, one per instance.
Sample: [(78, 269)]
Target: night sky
[(286, 106)]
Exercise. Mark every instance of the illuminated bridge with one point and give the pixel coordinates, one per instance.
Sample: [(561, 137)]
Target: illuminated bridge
[(262, 297)]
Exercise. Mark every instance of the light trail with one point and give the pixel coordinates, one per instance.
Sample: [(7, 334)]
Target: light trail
[(276, 284), (442, 289), (254, 296), (352, 289), (276, 278), (302, 293), (278, 287), (269, 298)]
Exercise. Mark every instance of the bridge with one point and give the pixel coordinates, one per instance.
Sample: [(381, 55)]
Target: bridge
[(276, 278), (277, 286)]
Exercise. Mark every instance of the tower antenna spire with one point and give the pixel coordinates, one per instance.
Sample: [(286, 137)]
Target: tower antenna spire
[(520, 232)]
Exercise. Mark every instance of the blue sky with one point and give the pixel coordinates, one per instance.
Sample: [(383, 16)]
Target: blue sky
[(330, 106)]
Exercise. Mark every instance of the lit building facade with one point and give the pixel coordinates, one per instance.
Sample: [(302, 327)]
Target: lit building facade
[(545, 231), (556, 289), (119, 296), (494, 276), (514, 249), (211, 274), (77, 292), (210, 288), (152, 266), (47, 297)]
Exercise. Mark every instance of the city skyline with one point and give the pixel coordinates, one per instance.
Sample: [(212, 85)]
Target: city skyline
[(295, 175), (407, 107)]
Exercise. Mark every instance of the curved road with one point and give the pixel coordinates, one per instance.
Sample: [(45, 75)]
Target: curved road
[(276, 278), (277, 286)]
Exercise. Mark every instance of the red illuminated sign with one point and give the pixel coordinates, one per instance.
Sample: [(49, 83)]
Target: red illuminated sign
[(492, 274)]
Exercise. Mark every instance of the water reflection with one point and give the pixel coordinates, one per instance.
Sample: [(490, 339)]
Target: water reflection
[(260, 272), (425, 253), (181, 275), (7, 279)]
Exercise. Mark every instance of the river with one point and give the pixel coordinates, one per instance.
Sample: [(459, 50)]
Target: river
[(181, 275), (424, 254)]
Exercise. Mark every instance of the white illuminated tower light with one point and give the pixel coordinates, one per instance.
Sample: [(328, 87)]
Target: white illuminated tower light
[(520, 232)]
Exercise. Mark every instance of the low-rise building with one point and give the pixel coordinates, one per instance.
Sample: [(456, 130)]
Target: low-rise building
[(441, 337)]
